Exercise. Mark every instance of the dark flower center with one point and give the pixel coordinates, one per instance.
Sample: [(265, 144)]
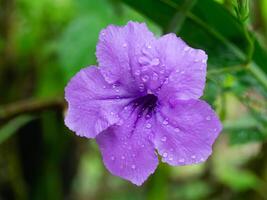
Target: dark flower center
[(145, 104)]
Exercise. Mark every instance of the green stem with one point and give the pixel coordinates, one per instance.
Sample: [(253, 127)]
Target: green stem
[(258, 74), (178, 20)]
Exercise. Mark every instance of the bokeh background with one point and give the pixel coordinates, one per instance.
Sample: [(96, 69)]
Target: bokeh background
[(45, 42)]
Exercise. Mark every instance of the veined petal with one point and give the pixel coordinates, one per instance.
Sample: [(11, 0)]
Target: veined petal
[(93, 104), (186, 131), (118, 51), (173, 69), (127, 149)]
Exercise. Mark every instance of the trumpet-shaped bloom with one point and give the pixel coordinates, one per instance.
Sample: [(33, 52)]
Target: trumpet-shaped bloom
[(143, 101)]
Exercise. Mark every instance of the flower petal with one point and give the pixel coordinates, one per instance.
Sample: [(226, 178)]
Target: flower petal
[(186, 131), (118, 49), (93, 104), (127, 149), (174, 69)]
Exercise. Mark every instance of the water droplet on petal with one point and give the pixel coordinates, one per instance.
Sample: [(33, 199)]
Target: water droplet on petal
[(186, 48), (133, 166), (124, 45), (143, 60), (165, 122), (155, 62), (137, 72), (181, 160), (177, 130), (148, 125), (162, 71), (208, 118), (163, 139), (193, 156), (122, 157), (170, 158), (114, 86), (104, 87), (117, 90), (112, 158), (126, 108), (145, 78), (155, 76), (165, 155)]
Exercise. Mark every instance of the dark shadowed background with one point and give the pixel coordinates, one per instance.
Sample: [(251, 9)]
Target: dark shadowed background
[(45, 42)]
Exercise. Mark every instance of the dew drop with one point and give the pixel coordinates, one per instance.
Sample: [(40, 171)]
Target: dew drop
[(112, 158), (181, 160), (155, 76), (124, 45), (165, 155), (208, 118), (165, 122), (126, 108), (163, 139), (145, 78), (177, 130), (137, 72), (148, 125), (186, 48), (133, 166), (154, 62), (117, 90), (148, 116), (104, 87), (114, 86), (122, 157), (193, 156), (143, 60), (170, 158), (162, 71)]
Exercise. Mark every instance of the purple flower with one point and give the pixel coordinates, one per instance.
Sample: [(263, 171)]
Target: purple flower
[(143, 101)]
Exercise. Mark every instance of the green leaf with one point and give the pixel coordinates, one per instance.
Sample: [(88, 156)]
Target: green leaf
[(10, 128), (245, 179), (244, 130)]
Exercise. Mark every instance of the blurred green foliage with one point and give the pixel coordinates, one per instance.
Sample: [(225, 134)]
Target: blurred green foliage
[(44, 43)]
